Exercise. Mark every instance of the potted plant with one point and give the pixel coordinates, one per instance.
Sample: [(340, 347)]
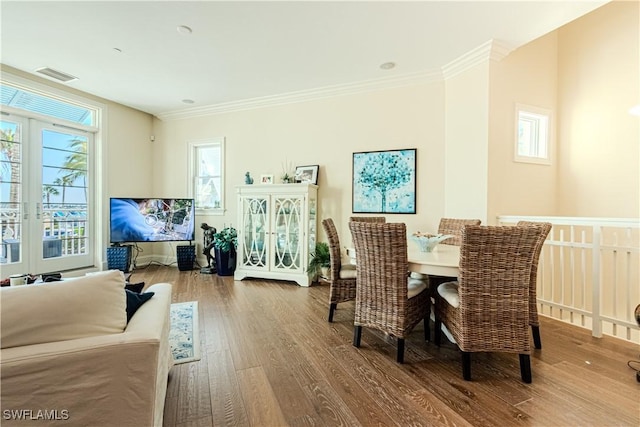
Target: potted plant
[(320, 261), (224, 243)]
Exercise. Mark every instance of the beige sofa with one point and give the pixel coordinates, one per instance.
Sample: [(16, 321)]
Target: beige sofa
[(69, 357)]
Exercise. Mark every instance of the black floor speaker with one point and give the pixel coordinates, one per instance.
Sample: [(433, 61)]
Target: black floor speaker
[(119, 258), (186, 255)]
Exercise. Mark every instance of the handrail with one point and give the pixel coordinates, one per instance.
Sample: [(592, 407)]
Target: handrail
[(589, 272)]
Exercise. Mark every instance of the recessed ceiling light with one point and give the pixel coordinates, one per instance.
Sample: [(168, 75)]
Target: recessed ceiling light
[(188, 101), (388, 65), (635, 111), (184, 30)]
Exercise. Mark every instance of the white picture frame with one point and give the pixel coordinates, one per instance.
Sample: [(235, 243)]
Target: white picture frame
[(266, 179), (307, 174)]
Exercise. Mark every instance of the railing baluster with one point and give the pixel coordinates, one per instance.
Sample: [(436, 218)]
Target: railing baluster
[(628, 299), (595, 287), (583, 272)]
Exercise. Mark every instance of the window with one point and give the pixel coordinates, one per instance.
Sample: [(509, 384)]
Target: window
[(46, 105), (206, 169), (533, 135)]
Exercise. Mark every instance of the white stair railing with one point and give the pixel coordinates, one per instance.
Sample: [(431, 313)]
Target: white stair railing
[(589, 273)]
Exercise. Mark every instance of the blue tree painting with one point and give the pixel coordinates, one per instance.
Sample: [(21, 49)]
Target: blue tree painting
[(384, 181)]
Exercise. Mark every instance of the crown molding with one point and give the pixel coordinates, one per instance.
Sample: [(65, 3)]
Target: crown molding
[(492, 50), (305, 95)]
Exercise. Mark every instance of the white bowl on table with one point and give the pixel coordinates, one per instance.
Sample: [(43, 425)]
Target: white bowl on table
[(426, 242)]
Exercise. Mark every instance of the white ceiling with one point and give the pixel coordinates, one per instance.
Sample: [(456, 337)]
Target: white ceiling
[(240, 51)]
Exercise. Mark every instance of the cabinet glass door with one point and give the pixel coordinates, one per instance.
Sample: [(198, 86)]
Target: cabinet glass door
[(255, 234), (312, 226), (287, 250)]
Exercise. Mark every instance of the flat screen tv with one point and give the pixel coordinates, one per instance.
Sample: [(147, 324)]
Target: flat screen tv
[(151, 220)]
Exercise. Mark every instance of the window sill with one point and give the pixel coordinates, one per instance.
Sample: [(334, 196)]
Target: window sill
[(211, 211), (533, 160)]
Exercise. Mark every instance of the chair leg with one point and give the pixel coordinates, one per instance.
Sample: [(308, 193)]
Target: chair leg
[(535, 330), (332, 309), (357, 335), (466, 365), (437, 332), (427, 330), (400, 355), (525, 368)]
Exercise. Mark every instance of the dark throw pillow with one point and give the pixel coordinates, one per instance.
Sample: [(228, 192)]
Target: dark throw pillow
[(135, 301), (134, 287)]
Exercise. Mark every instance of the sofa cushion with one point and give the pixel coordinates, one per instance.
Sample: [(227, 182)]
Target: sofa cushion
[(135, 301), (449, 291), (70, 309)]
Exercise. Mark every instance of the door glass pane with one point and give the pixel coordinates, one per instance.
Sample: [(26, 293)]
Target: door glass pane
[(287, 248), (64, 194), (11, 192), (254, 232)]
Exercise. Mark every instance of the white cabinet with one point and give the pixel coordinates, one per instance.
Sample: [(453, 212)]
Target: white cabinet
[(276, 231)]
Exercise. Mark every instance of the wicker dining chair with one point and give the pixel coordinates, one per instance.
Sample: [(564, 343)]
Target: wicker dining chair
[(342, 278), (374, 219), (487, 310), (387, 299), (533, 282), (454, 226)]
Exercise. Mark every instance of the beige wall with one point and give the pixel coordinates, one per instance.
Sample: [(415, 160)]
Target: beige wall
[(599, 142), (466, 148), (129, 152), (527, 76), (325, 132)]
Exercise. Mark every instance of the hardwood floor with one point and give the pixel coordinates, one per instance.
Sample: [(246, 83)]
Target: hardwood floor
[(270, 358)]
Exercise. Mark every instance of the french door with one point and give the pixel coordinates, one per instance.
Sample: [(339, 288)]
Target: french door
[(46, 195)]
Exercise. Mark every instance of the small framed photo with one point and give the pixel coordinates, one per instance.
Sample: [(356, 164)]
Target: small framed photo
[(266, 179), (307, 174)]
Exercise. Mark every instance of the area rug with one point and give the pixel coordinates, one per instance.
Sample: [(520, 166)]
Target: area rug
[(183, 336)]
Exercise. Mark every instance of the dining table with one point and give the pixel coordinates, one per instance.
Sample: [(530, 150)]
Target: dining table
[(443, 260)]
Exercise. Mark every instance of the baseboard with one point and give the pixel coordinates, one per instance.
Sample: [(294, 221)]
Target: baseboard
[(168, 260)]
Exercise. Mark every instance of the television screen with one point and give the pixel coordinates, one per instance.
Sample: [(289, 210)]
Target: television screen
[(151, 220)]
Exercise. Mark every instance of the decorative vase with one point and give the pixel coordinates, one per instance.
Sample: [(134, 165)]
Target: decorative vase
[(225, 262), (247, 178)]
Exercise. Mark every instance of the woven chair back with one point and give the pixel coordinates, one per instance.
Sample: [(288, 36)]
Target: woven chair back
[(545, 228), (334, 248), (454, 227), (493, 286), (381, 269), (374, 219)]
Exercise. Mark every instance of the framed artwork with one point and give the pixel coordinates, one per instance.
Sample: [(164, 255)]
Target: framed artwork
[(308, 174), (384, 182), (266, 179)]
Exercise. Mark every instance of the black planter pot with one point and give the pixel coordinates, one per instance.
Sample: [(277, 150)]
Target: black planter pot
[(225, 262)]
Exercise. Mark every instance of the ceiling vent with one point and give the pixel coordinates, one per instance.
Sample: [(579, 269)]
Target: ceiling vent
[(55, 74)]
